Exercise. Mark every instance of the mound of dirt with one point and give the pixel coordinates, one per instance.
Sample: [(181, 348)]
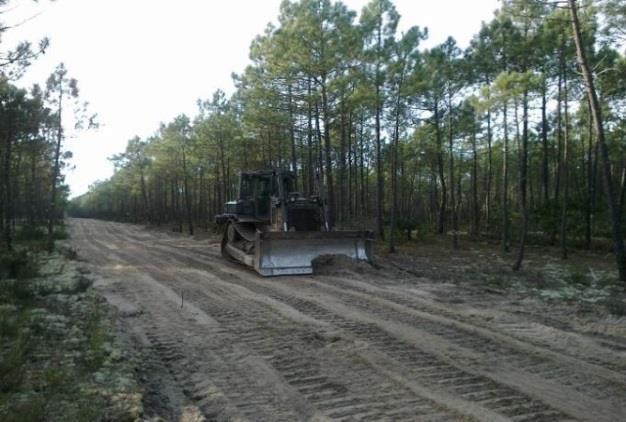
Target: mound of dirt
[(340, 265)]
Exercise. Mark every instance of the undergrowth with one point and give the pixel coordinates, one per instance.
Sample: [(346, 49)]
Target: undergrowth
[(558, 281), (586, 279), (59, 359)]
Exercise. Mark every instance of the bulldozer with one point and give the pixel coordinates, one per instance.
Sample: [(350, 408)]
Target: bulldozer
[(278, 231)]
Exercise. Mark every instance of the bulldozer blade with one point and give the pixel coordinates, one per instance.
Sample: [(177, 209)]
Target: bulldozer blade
[(288, 253)]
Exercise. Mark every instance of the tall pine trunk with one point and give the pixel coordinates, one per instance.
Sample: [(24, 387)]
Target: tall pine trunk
[(489, 171), (505, 183), (441, 216), (563, 234), (475, 226), (394, 178), (292, 139), (453, 204), (362, 175), (309, 143), (330, 210), (379, 172), (55, 174), (559, 153), (6, 191), (596, 111), (523, 182), (187, 193), (342, 167), (590, 182), (545, 172)]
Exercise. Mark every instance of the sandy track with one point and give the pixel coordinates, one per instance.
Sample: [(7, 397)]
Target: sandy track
[(221, 343)]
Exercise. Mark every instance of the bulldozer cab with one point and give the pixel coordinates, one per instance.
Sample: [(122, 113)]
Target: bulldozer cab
[(255, 189), (285, 185), (258, 189)]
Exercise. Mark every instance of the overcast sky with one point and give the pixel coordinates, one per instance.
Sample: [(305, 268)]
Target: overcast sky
[(142, 62)]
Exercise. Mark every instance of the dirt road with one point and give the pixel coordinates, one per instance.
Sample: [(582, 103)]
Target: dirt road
[(221, 343)]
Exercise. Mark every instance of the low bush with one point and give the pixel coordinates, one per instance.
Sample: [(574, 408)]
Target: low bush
[(30, 232), (12, 362), (98, 338), (17, 264)]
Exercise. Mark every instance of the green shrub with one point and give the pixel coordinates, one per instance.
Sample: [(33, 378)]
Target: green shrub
[(32, 410), (60, 233), (82, 284), (17, 264), (97, 336), (10, 321), (616, 304), (30, 232), (17, 291), (579, 277), (56, 377), (12, 361), (70, 253)]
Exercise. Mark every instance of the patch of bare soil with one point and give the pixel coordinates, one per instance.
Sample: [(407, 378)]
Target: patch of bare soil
[(421, 337)]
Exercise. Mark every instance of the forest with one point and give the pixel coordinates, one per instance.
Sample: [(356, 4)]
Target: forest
[(479, 185), (33, 191), (516, 139), (34, 123)]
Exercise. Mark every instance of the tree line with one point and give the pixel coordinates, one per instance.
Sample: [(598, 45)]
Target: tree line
[(33, 194), (519, 137)]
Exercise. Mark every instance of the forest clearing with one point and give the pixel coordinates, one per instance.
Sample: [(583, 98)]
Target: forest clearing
[(418, 337), (479, 184)]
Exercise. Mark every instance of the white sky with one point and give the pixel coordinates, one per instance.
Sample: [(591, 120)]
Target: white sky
[(142, 62)]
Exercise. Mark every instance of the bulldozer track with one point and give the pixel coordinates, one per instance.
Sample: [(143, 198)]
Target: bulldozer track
[(335, 397), (533, 358), (434, 371), (238, 347), (516, 328)]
